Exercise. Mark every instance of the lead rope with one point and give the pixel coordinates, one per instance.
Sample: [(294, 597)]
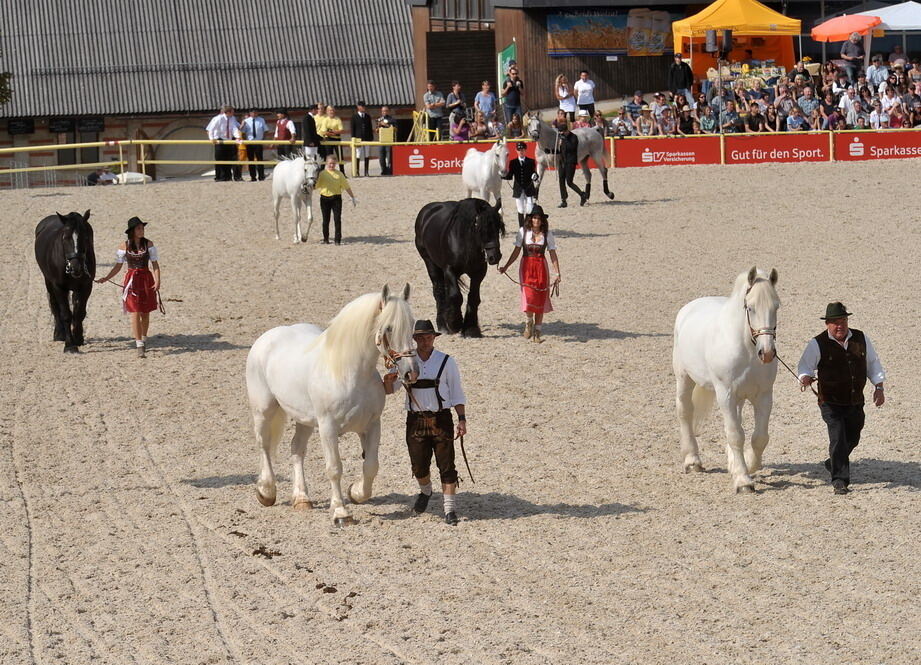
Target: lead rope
[(554, 289), (802, 387)]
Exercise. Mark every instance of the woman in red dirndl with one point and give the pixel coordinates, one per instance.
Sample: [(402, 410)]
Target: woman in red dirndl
[(534, 241), (142, 281)]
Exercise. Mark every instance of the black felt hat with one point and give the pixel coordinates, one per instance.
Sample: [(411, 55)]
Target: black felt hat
[(134, 221), (835, 310), (537, 210), (424, 327)]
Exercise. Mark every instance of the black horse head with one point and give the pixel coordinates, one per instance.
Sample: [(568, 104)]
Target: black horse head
[(489, 227), (76, 239)]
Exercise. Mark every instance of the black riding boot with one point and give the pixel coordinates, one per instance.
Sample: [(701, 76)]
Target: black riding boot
[(367, 160), (520, 220)]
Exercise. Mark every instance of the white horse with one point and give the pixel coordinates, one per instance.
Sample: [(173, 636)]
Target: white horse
[(328, 380), (724, 348), (591, 144), (483, 171), (295, 179)]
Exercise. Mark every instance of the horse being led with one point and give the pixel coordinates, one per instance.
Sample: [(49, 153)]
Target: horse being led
[(65, 255), (328, 381), (295, 179), (483, 172), (455, 238), (724, 348), (591, 144)]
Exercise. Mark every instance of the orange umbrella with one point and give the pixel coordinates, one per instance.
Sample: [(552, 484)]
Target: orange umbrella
[(838, 29)]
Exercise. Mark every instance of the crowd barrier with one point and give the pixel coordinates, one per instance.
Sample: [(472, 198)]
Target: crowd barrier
[(430, 158)]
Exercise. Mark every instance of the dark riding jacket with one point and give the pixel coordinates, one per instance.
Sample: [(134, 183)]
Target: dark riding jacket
[(521, 175)]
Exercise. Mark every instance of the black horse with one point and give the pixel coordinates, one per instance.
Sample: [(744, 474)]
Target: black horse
[(64, 251), (452, 238)]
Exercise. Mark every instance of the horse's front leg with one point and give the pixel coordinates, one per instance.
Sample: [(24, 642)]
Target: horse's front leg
[(329, 437), (731, 408), (370, 440), (55, 312), (299, 498), (66, 317), (296, 209), (80, 300), (762, 407), (471, 325), (453, 299), (308, 201)]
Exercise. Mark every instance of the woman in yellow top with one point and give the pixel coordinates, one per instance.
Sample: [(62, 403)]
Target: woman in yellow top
[(333, 127), (331, 183)]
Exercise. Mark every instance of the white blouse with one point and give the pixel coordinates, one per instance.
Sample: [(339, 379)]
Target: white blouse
[(527, 238), (152, 254), (568, 103)]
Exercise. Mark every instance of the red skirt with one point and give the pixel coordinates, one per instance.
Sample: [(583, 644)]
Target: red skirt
[(139, 294), (535, 282)]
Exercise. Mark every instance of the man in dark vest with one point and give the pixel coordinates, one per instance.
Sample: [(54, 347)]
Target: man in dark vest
[(567, 159), (429, 426), (522, 171), (362, 129), (845, 359)]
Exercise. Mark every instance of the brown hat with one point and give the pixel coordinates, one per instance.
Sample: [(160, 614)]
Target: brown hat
[(425, 327)]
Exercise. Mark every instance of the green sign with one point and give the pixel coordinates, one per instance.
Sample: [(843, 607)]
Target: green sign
[(505, 56)]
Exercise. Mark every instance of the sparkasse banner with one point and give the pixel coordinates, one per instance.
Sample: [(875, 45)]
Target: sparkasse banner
[(792, 147), (434, 159), (894, 144), (667, 151)]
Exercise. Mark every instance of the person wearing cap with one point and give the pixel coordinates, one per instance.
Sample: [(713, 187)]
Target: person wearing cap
[(680, 77), (363, 129), (844, 359), (430, 429), (635, 105), (142, 281), (645, 125), (567, 159), (522, 171), (285, 133), (534, 241), (311, 135), (582, 120)]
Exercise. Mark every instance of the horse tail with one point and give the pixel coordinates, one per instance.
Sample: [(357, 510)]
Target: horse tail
[(703, 400)]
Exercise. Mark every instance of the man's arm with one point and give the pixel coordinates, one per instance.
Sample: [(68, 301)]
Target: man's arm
[(809, 363)]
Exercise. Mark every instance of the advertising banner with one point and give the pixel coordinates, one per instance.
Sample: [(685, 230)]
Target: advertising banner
[(894, 144), (667, 152), (440, 158), (503, 59), (642, 32), (780, 147)]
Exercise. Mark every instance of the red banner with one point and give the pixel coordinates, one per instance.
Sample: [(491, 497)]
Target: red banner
[(437, 158), (667, 151), (893, 144), (780, 147)]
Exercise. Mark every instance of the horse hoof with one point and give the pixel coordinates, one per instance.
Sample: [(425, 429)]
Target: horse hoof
[(301, 504), (342, 522), (745, 489), (351, 495), (58, 338), (71, 349), (472, 332), (265, 500), (693, 468), (611, 195)]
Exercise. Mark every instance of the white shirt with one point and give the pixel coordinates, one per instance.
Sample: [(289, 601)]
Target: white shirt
[(528, 238), (847, 103), (152, 253), (809, 362), (222, 127), (585, 91), (450, 389), (568, 103), (254, 129)]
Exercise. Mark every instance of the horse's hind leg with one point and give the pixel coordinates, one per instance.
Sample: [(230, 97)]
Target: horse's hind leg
[(731, 408), (604, 180), (299, 498), (55, 313), (762, 407), (437, 276), (471, 325), (685, 405), (276, 204), (370, 440), (587, 172), (269, 424), (453, 299)]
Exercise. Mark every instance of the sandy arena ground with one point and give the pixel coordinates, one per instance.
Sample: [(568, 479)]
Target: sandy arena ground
[(129, 527)]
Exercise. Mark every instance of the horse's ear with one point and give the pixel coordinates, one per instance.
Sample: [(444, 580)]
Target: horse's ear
[(385, 295), (773, 276), (406, 290), (752, 274), (86, 216)]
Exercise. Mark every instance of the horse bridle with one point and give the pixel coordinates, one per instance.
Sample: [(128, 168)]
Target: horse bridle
[(390, 356), (756, 333)]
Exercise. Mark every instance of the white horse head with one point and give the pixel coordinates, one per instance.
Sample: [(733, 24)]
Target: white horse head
[(311, 173), (534, 123), (761, 302), (500, 154)]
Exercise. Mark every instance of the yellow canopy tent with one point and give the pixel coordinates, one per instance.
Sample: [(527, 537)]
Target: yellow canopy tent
[(768, 34)]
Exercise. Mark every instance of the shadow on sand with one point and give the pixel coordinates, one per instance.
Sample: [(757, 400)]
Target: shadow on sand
[(214, 482), (890, 474), (166, 345), (372, 240), (576, 332)]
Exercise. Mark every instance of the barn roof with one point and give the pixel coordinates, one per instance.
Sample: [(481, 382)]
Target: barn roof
[(87, 57)]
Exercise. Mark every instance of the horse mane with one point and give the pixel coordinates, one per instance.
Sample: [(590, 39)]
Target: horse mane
[(352, 331), (741, 288)]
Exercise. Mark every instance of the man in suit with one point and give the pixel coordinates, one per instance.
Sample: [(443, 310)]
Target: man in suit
[(311, 137), (362, 129), (567, 160), (522, 171)]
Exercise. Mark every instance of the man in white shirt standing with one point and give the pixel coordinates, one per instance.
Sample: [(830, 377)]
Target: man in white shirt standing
[(429, 426), (221, 133), (584, 90), (844, 359)]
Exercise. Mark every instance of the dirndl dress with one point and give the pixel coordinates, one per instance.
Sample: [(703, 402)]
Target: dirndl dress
[(533, 273), (138, 294)]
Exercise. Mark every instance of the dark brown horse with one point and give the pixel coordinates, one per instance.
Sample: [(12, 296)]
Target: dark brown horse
[(455, 238), (64, 251)]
